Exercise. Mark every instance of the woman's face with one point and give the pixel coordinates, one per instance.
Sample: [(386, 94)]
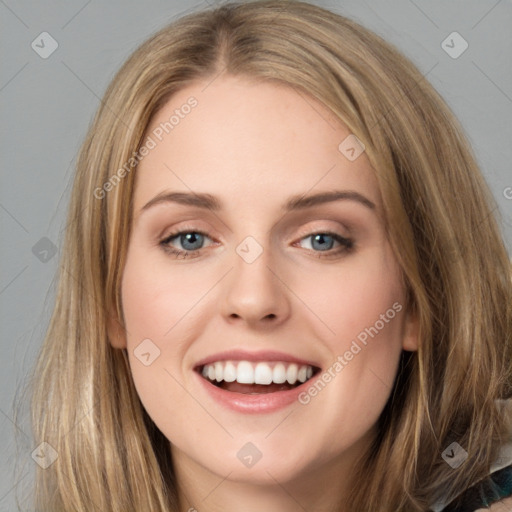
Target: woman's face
[(270, 286)]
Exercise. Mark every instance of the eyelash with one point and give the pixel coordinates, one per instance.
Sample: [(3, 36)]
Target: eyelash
[(347, 244)]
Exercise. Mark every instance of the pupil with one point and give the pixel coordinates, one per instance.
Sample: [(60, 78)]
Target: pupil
[(321, 237), (191, 238)]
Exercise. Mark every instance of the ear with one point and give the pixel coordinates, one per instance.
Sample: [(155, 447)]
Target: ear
[(116, 332), (411, 331)]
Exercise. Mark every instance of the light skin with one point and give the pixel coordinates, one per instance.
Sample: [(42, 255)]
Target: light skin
[(253, 146), (501, 506)]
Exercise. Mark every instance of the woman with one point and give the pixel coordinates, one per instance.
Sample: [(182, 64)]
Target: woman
[(337, 337)]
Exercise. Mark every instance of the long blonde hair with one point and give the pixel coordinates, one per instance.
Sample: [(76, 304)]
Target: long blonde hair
[(440, 221)]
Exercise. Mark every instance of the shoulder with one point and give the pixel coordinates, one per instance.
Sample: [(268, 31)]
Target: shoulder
[(493, 493), (500, 506)]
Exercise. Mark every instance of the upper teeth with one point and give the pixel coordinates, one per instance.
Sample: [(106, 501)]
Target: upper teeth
[(246, 372)]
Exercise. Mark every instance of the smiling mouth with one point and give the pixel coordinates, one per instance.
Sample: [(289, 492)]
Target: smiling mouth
[(256, 378)]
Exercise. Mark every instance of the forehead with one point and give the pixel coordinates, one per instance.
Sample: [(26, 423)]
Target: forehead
[(249, 143)]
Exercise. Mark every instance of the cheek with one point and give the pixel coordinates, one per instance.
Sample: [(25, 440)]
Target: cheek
[(156, 298), (157, 304), (351, 300), (362, 319), (154, 304)]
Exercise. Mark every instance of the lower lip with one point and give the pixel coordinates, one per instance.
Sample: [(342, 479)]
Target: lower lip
[(257, 403)]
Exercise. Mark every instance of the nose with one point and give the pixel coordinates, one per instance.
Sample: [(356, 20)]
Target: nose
[(255, 293)]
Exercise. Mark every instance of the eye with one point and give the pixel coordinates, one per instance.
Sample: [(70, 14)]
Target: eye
[(192, 242), (324, 241)]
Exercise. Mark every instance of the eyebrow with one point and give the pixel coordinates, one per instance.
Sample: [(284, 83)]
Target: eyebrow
[(207, 201)]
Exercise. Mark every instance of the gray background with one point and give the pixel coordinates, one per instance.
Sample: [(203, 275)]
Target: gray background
[(47, 105)]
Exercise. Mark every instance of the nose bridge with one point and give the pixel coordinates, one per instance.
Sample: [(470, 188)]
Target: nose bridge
[(254, 291)]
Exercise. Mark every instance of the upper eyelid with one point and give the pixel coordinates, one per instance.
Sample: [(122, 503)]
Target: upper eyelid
[(307, 231)]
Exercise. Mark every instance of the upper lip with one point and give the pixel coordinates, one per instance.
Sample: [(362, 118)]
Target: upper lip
[(244, 355)]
